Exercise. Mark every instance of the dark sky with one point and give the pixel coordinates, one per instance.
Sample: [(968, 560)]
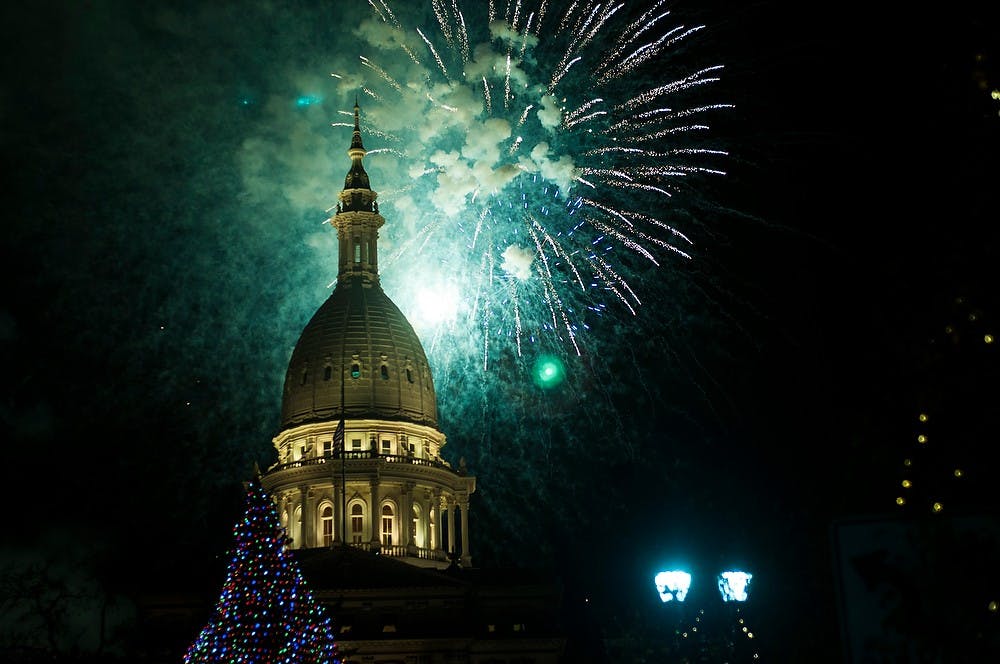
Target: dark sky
[(161, 216)]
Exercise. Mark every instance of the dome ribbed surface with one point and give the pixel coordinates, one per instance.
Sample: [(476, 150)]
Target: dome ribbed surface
[(358, 330)]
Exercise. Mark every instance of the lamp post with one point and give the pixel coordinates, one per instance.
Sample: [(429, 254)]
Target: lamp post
[(734, 587), (704, 637)]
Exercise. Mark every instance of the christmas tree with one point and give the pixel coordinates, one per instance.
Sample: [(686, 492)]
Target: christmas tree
[(265, 614)]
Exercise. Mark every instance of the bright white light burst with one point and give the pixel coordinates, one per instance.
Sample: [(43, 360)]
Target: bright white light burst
[(533, 155)]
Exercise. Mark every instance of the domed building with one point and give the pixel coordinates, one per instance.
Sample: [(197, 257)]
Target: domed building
[(359, 450), (377, 520)]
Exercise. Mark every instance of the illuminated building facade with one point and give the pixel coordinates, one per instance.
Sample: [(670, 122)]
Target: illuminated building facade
[(383, 485)]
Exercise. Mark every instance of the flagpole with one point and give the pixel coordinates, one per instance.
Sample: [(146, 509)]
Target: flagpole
[(343, 461)]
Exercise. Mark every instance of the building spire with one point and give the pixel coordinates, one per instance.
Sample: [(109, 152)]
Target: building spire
[(357, 220), (357, 178), (356, 140)]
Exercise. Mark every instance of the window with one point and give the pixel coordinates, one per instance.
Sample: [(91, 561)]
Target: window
[(357, 522), (409, 374), (356, 444), (326, 519), (386, 446), (327, 372), (387, 525), (305, 376), (384, 371), (355, 370), (302, 451), (357, 250), (327, 447)]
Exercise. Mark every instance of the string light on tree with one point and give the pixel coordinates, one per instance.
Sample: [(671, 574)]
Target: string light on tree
[(265, 612)]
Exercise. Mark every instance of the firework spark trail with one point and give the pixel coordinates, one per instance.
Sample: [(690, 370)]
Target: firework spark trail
[(381, 72), (685, 83), (437, 58), (551, 294), (575, 117)]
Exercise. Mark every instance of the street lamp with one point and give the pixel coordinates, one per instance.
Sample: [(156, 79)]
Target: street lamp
[(734, 586), (672, 585)]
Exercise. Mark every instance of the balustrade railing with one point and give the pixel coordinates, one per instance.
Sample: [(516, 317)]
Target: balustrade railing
[(400, 551), (351, 455)]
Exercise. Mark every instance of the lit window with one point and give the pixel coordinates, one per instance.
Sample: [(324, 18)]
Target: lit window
[(357, 521), (357, 250), (387, 525), (326, 517), (355, 370)]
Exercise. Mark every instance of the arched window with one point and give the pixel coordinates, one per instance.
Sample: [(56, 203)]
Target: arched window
[(357, 522), (355, 370), (387, 525), (326, 524), (384, 371)]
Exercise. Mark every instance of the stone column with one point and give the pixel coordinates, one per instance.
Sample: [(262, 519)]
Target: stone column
[(338, 509), (406, 516), (466, 555), (451, 525), (376, 513), (308, 518)]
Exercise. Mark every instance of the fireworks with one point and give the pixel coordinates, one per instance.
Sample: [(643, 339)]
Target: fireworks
[(532, 154)]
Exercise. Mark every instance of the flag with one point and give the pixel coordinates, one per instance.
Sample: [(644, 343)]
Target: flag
[(338, 437)]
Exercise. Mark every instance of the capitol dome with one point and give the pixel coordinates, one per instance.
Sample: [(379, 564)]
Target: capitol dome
[(360, 348)]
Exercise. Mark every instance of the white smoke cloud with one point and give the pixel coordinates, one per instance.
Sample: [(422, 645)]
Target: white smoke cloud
[(550, 115), (561, 171), (517, 261)]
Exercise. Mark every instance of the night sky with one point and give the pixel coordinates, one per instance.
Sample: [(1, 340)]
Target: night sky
[(167, 167)]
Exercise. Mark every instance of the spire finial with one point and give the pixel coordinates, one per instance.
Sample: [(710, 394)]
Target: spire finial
[(356, 139)]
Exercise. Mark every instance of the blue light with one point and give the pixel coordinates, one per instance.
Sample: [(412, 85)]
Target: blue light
[(672, 585), (734, 586), (308, 100)]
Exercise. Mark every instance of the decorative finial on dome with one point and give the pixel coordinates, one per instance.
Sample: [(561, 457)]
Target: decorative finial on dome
[(356, 139)]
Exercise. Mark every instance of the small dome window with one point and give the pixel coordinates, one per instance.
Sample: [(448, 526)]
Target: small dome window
[(305, 376), (327, 372), (355, 370), (409, 374), (384, 371)]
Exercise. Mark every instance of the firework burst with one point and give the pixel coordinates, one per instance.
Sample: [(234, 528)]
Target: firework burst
[(537, 154)]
